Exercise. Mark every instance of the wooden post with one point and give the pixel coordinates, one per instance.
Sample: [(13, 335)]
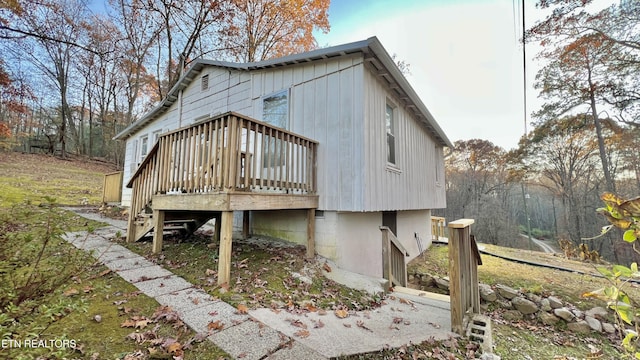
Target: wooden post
[(224, 255), (131, 225), (245, 224), (458, 247), (216, 228), (158, 229), (386, 255), (311, 233)]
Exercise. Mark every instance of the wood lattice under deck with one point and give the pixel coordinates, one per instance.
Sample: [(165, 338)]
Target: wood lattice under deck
[(217, 166)]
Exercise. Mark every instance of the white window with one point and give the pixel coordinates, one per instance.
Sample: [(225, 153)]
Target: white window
[(390, 124), (144, 147), (275, 111)]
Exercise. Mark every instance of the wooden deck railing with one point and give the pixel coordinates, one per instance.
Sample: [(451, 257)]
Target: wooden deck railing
[(394, 266), (229, 152), (464, 259), (437, 227)]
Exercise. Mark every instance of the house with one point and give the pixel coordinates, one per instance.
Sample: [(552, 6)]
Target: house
[(321, 148)]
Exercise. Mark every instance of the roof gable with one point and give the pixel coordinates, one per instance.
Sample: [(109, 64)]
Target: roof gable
[(375, 56)]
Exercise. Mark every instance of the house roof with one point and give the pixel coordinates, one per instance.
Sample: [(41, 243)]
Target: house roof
[(383, 66)]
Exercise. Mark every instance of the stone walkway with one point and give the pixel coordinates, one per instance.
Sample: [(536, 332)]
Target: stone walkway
[(265, 333)]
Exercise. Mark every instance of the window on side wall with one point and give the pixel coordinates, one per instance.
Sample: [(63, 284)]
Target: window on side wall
[(144, 147), (275, 111), (390, 124)]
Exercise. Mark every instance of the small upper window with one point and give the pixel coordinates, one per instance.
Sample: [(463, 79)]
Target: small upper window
[(391, 134), (144, 147), (205, 82)]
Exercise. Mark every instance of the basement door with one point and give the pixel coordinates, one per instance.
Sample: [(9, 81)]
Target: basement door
[(389, 219)]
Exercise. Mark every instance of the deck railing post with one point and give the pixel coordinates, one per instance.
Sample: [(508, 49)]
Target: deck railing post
[(463, 277)]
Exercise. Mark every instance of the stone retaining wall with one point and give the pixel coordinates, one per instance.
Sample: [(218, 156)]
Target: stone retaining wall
[(516, 305)]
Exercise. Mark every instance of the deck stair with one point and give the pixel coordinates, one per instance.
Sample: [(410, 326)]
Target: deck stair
[(185, 223)]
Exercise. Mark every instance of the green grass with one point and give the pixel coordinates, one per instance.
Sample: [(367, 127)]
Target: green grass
[(51, 291)]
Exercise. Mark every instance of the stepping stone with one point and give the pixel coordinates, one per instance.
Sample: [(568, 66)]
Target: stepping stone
[(163, 285), (144, 274), (249, 340)]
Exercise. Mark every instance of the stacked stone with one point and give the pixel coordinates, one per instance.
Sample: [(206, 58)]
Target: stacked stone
[(517, 306)]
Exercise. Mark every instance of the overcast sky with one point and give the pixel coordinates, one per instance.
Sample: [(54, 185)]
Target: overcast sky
[(464, 56)]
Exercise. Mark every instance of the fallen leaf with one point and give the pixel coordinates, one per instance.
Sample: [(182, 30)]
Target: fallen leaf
[(174, 348), (346, 325), (297, 323), (140, 324), (302, 333), (215, 325), (360, 324), (210, 272), (105, 272), (196, 301), (318, 324), (87, 289), (128, 323), (326, 267), (341, 313), (309, 306), (405, 301), (71, 292), (242, 309)]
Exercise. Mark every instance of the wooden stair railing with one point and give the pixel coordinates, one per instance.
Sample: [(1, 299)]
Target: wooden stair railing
[(437, 227), (226, 153), (464, 259), (394, 266)]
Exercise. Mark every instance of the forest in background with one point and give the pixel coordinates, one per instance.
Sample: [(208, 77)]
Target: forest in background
[(585, 139), (72, 77)]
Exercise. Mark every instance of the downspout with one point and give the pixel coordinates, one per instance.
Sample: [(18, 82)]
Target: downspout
[(179, 108), (181, 67)]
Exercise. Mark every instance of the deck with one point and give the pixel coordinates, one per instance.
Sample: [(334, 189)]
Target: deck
[(217, 166)]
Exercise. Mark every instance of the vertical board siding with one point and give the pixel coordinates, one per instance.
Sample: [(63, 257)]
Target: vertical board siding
[(339, 103), (413, 185), (325, 105)]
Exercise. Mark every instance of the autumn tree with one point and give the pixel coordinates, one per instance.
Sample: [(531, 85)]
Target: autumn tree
[(561, 155), (52, 48), (265, 29), (577, 77), (187, 30), (477, 187), (139, 34)]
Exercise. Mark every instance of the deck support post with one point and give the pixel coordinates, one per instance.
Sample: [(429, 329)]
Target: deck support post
[(131, 227), (311, 233), (158, 229), (245, 224), (224, 255), (216, 228)]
